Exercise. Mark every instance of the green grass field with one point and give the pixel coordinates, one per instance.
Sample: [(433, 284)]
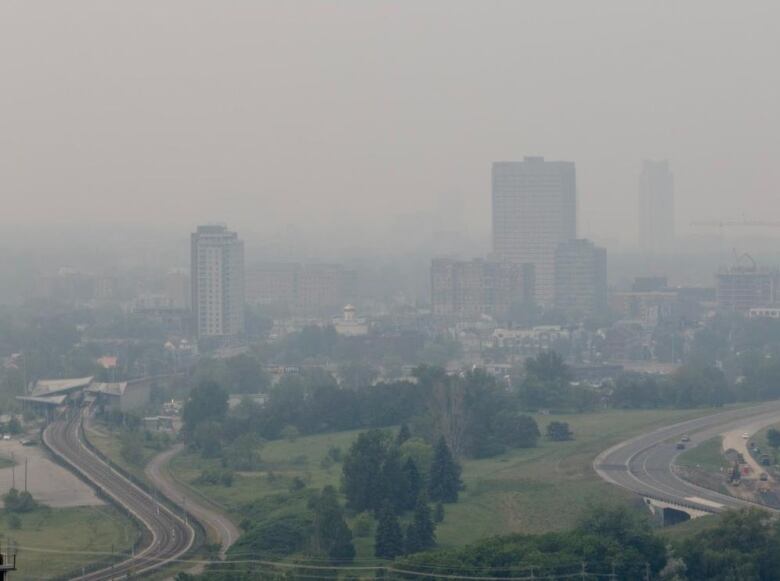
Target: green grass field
[(54, 542), (706, 456), (528, 490), (109, 443)]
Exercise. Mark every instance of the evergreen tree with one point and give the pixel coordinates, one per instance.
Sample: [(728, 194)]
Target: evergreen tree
[(425, 530), (413, 482), (389, 541), (332, 536), (394, 484), (411, 540), (362, 471), (403, 435), (444, 482), (438, 513), (342, 550)]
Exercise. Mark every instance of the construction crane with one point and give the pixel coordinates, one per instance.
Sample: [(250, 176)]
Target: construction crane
[(721, 225)]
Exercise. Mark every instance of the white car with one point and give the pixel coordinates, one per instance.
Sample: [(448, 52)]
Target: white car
[(6, 436), (745, 436)]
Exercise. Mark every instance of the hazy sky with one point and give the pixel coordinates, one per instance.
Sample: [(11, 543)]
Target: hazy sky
[(333, 113)]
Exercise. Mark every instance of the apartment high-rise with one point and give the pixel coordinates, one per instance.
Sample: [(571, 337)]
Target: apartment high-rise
[(217, 282), (468, 289), (534, 210), (581, 278), (656, 207)]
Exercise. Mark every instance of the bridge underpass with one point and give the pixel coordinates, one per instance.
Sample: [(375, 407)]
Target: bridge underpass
[(669, 514)]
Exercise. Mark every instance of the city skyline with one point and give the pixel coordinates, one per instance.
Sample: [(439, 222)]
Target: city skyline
[(266, 109)]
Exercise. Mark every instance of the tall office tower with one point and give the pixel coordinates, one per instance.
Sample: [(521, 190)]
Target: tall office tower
[(217, 282), (656, 207), (534, 210), (581, 278)]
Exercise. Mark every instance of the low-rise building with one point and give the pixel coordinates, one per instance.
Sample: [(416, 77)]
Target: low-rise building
[(350, 324), (470, 289), (123, 396)]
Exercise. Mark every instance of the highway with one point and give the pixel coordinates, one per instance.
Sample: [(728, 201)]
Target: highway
[(168, 535), (645, 464)]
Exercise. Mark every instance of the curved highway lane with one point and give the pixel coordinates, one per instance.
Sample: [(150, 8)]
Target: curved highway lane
[(169, 536), (645, 464)]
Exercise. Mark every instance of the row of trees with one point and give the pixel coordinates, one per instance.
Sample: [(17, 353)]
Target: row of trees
[(476, 415)]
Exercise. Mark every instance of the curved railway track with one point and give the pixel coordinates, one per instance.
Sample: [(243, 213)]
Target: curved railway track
[(168, 536)]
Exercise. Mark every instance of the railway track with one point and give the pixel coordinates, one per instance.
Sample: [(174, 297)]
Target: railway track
[(169, 536)]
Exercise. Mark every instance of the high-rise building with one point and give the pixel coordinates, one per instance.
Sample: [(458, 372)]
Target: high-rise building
[(656, 207), (581, 278), (217, 282), (470, 289), (534, 210)]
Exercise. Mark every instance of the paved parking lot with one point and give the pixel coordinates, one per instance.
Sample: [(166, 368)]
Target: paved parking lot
[(49, 483)]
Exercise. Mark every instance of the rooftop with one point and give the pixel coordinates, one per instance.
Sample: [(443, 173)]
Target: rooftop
[(47, 387)]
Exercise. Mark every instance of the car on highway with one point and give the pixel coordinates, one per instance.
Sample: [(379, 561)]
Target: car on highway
[(685, 438), (681, 445), (745, 436), (764, 477)]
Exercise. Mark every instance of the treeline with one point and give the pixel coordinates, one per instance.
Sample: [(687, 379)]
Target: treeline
[(743, 545), (610, 543), (476, 415)]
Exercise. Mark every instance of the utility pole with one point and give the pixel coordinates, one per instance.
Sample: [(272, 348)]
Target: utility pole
[(13, 471), (25, 474), (647, 571)]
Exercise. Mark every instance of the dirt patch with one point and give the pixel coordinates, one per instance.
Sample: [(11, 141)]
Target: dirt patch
[(49, 483)]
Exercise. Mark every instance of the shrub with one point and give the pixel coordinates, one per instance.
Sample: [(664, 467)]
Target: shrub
[(559, 432)]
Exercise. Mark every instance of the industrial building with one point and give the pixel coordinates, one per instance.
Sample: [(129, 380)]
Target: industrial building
[(123, 396), (46, 395), (49, 395)]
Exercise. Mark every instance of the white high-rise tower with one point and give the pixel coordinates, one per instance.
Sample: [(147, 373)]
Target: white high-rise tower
[(217, 280)]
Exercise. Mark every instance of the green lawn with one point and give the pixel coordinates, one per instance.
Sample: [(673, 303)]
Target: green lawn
[(49, 540), (706, 456), (109, 443), (529, 490)]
